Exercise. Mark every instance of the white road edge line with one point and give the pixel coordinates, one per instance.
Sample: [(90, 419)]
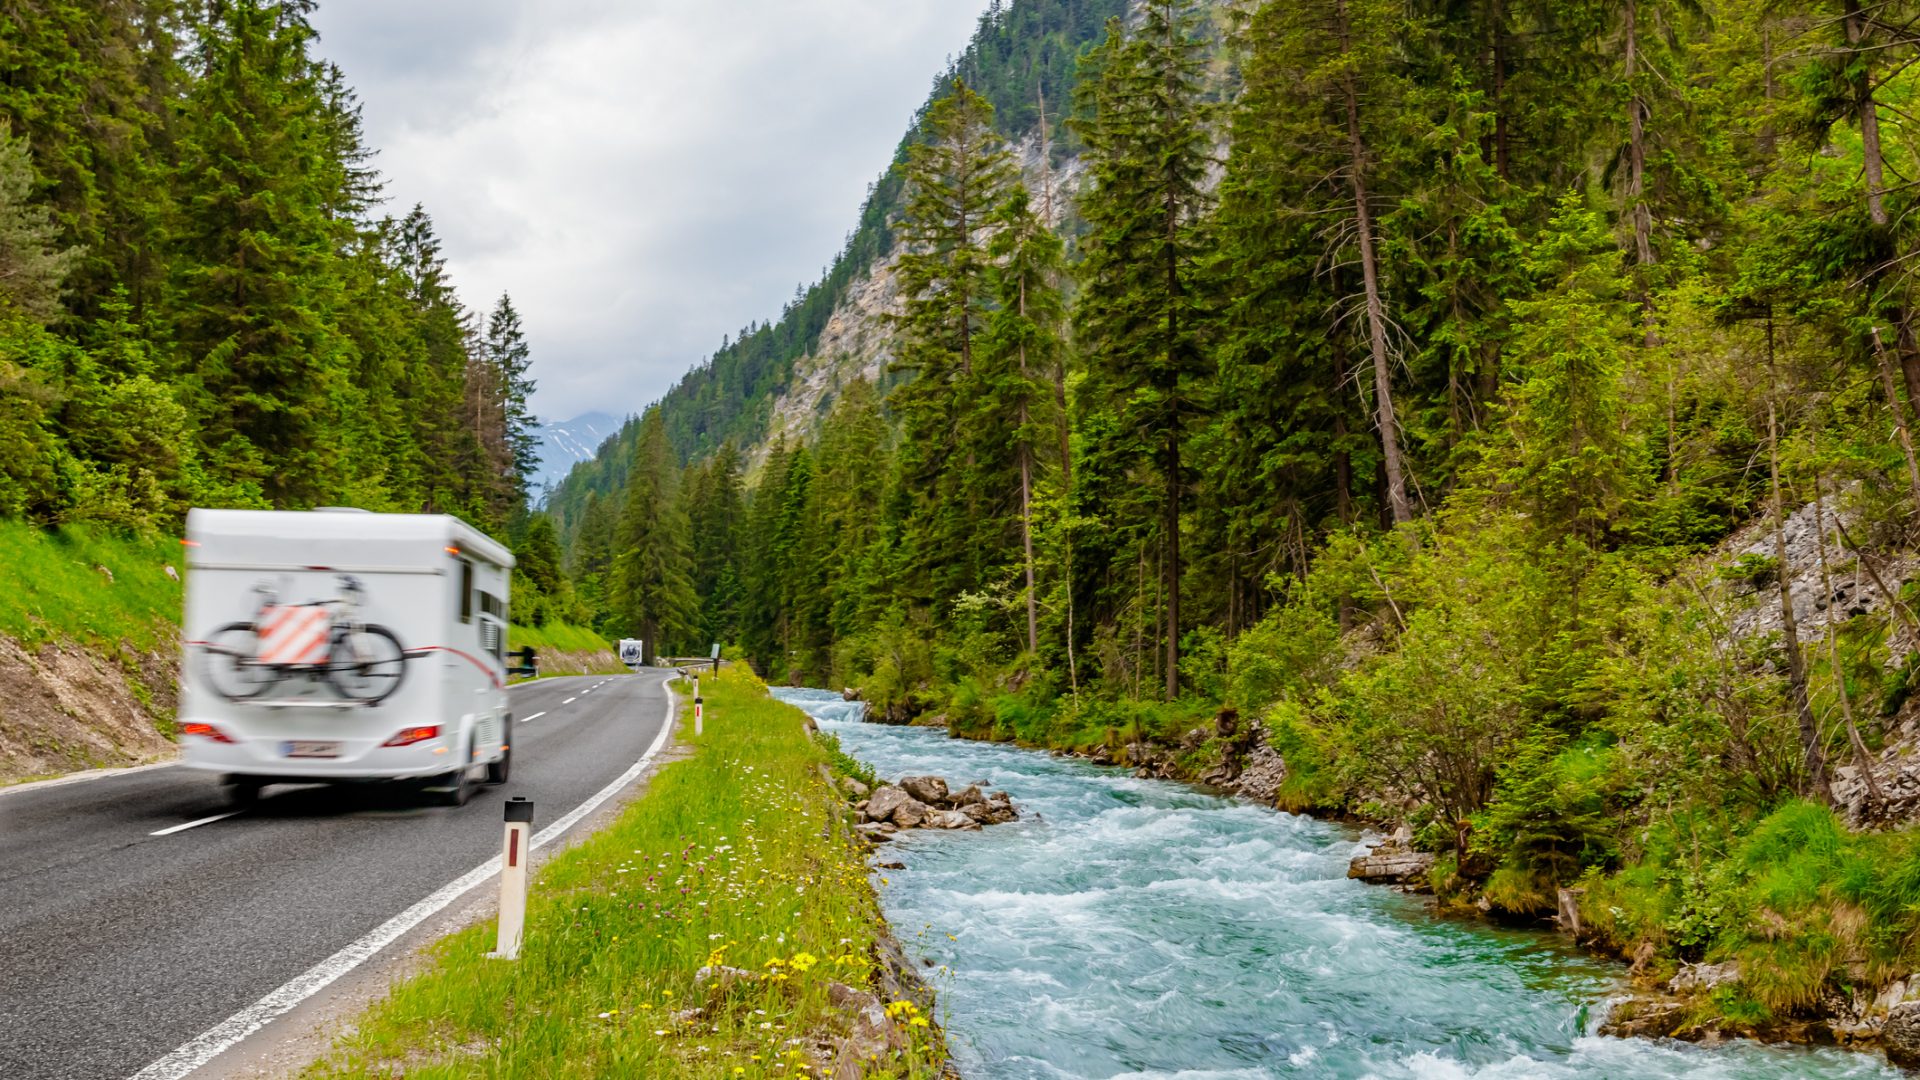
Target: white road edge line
[(195, 824), (535, 716), (212, 1042), (82, 777)]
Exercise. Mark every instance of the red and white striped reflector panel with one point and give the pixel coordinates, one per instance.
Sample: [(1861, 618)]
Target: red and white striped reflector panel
[(295, 636)]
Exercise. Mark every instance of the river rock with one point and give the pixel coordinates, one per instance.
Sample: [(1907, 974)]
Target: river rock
[(1644, 1017), (854, 787), (874, 831), (912, 813), (931, 790), (967, 797), (981, 812), (870, 1034), (881, 805), (851, 693), (951, 819), (1392, 863), (1900, 1035)]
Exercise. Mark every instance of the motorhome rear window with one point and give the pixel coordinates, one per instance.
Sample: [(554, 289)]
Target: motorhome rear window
[(466, 591)]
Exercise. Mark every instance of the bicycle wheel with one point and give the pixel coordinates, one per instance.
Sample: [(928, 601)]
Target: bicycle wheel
[(366, 663), (230, 665)]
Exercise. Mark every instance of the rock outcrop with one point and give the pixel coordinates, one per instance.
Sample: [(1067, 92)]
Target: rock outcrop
[(1394, 862)]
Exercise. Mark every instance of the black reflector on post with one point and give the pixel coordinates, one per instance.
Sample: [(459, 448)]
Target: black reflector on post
[(520, 808)]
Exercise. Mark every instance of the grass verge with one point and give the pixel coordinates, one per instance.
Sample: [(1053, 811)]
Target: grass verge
[(739, 856), (56, 590), (566, 649)]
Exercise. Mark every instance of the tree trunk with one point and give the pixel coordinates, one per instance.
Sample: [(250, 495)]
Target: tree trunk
[(1900, 428), (1862, 760), (1816, 758), (1871, 160), (1026, 492), (1502, 137), (1173, 568), (1637, 145), (1370, 274)]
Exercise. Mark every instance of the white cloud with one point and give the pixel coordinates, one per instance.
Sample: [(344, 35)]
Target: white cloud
[(643, 177)]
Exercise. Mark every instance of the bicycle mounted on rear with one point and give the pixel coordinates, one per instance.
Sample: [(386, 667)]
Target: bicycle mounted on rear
[(320, 640)]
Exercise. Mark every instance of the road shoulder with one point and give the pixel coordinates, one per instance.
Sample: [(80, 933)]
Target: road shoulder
[(308, 1031)]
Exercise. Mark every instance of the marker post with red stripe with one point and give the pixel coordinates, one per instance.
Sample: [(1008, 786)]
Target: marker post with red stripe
[(699, 708), (513, 879)]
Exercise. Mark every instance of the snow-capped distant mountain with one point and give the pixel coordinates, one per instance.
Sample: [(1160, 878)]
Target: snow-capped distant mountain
[(566, 442)]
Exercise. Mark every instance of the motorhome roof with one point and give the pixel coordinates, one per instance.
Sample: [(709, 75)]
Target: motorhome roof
[(441, 530)]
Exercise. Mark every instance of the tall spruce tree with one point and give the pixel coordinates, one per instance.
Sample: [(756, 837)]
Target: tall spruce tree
[(1024, 332), (1141, 317), (955, 179), (653, 565)]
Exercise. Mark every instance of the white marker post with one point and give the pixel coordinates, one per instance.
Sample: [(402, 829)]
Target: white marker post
[(513, 879), (699, 710)]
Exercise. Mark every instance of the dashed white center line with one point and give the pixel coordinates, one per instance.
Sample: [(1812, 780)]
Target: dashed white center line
[(535, 716), (194, 824), (570, 701)]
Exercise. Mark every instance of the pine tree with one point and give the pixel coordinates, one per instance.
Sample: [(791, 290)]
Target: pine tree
[(1025, 338), (33, 265), (1141, 317), (955, 180), (509, 356), (653, 596), (255, 247)]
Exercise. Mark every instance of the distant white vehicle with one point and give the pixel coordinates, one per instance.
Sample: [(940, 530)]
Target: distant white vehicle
[(340, 645), (633, 652)]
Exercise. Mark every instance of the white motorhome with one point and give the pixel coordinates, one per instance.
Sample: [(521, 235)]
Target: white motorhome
[(633, 652), (337, 645)]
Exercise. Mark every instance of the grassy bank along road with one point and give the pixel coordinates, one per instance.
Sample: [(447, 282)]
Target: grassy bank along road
[(144, 924), (739, 860)]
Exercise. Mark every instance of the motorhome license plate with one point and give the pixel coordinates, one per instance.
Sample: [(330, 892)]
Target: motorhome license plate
[(310, 748)]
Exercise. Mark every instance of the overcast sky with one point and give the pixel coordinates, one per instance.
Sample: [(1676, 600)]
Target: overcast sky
[(643, 176)]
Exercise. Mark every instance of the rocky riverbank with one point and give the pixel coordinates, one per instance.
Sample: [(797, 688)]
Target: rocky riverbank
[(1236, 759)]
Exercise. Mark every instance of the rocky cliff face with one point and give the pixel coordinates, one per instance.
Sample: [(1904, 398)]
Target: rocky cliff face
[(857, 343)]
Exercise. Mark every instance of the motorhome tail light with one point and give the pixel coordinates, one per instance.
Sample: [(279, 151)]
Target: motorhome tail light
[(409, 736), (206, 731)]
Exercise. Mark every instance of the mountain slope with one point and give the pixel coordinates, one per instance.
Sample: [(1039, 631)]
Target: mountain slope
[(774, 378)]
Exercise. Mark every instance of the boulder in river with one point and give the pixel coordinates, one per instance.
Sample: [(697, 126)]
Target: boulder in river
[(931, 790), (884, 802), (911, 813), (968, 796), (951, 819), (1393, 862)]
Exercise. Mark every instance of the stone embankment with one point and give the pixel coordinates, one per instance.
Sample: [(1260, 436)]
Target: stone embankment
[(1888, 1018), (926, 802)]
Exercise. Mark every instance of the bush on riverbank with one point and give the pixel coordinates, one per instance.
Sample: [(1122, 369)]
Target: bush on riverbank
[(739, 858)]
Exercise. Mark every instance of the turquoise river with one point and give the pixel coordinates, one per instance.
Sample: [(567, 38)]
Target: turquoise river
[(1137, 928)]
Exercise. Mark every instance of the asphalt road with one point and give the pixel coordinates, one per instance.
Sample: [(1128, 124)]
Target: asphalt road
[(116, 946)]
